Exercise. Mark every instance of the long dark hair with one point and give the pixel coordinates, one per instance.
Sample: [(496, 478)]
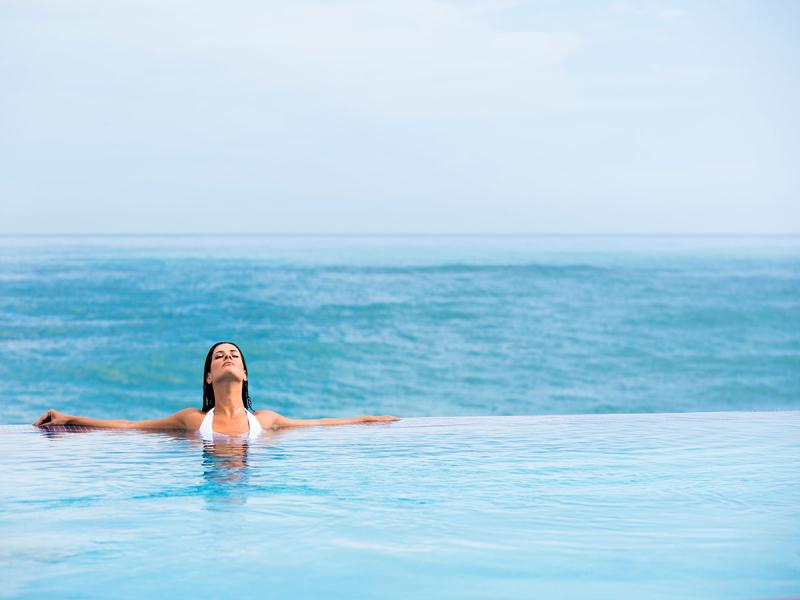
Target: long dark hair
[(208, 389)]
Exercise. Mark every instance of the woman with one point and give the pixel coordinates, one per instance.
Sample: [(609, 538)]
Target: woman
[(226, 405)]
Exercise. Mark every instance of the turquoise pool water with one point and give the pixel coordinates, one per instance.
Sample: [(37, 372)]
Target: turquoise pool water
[(691, 505)]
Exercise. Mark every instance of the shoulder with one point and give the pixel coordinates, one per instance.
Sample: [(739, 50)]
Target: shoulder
[(191, 417), (267, 418)]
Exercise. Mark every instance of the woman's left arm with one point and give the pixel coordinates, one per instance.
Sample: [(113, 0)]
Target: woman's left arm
[(269, 419)]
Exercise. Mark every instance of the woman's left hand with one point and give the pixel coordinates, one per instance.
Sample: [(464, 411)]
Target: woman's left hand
[(380, 419)]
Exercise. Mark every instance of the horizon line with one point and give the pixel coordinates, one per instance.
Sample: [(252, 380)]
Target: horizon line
[(405, 234)]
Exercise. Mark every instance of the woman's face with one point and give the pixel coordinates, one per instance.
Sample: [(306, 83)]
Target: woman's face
[(226, 364)]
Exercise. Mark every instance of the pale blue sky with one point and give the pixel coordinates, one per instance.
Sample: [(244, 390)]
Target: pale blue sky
[(399, 116)]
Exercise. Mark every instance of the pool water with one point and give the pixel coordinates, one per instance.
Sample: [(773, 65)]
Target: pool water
[(690, 505)]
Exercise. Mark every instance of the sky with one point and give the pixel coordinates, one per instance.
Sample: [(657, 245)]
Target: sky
[(399, 116)]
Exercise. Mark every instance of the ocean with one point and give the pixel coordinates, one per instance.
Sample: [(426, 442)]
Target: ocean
[(414, 326)]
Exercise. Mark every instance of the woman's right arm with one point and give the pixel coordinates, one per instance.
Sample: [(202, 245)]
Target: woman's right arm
[(177, 421)]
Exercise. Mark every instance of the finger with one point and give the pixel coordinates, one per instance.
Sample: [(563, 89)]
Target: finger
[(45, 418)]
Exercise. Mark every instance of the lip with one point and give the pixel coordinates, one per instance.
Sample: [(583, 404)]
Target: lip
[(227, 362)]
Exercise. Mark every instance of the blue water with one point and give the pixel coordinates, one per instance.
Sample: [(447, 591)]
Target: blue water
[(413, 326), (683, 506), (697, 499)]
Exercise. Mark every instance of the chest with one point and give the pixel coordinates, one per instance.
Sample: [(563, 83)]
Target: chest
[(227, 425)]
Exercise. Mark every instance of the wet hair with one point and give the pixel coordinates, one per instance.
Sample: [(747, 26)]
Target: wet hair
[(208, 389)]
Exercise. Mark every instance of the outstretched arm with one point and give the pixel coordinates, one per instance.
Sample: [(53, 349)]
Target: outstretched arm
[(53, 417), (272, 420)]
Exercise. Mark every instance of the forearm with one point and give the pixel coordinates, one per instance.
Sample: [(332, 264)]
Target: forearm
[(101, 423), (335, 421), (276, 420)]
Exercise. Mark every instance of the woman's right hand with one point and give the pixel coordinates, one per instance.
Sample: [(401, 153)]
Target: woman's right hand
[(52, 417)]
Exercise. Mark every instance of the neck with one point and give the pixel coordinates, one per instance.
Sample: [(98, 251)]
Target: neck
[(228, 398)]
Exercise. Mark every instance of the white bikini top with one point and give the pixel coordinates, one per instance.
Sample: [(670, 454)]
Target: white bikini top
[(208, 432)]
